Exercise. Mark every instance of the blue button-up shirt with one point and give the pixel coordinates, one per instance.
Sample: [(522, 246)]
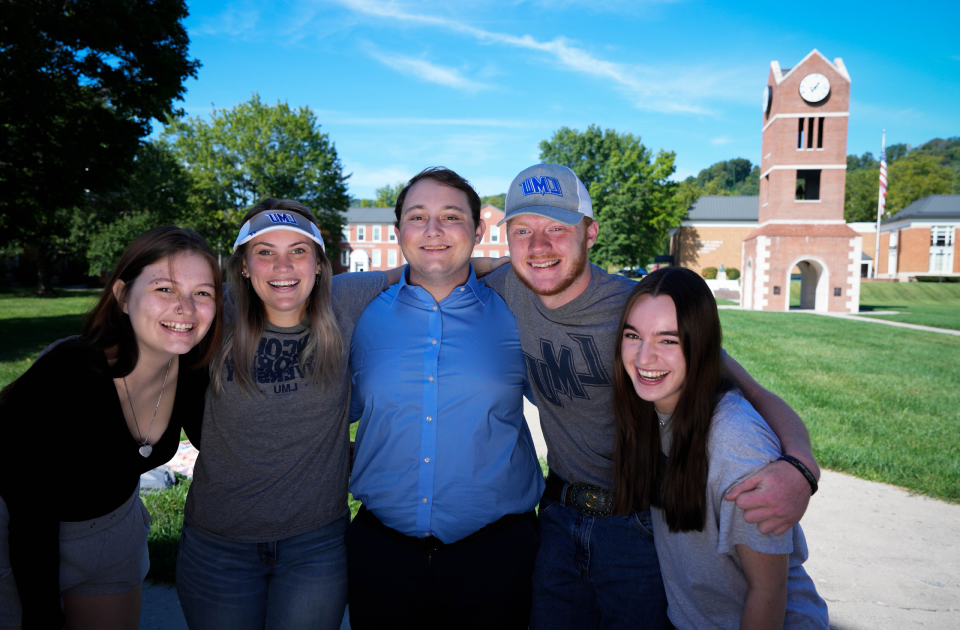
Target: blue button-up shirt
[(442, 448)]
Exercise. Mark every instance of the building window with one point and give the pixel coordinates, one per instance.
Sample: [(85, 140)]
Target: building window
[(392, 258), (495, 235), (391, 236), (376, 256), (837, 292), (800, 134), (344, 258), (809, 133), (345, 237), (376, 233), (820, 135), (808, 185), (361, 232), (776, 290), (941, 249)]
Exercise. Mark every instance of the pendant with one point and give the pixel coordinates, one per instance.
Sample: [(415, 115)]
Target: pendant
[(145, 450)]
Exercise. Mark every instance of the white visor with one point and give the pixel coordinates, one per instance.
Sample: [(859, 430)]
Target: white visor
[(273, 221)]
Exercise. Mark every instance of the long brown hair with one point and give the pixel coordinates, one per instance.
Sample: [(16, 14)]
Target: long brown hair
[(323, 351), (640, 479)]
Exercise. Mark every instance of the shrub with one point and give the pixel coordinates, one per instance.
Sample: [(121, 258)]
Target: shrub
[(733, 273), (166, 512), (710, 273), (938, 279)]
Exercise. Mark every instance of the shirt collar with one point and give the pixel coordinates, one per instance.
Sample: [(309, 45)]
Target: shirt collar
[(423, 296)]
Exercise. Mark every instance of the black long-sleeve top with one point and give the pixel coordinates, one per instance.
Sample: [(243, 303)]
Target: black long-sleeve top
[(66, 454)]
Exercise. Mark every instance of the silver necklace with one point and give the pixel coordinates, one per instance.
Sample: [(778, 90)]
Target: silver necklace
[(146, 449)]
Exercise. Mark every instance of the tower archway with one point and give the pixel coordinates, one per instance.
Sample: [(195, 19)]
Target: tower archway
[(814, 283)]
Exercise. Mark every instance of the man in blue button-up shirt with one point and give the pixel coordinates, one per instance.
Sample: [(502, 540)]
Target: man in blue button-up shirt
[(444, 463)]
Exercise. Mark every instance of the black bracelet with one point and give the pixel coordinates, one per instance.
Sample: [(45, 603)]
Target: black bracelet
[(803, 470)]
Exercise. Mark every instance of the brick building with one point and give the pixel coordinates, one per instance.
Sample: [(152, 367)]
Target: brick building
[(369, 243), (713, 231), (802, 180), (919, 240)]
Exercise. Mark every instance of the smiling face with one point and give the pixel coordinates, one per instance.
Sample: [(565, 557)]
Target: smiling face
[(437, 236), (282, 267), (551, 257), (171, 304), (651, 352)]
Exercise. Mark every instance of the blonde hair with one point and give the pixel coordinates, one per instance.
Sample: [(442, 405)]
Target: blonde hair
[(323, 351)]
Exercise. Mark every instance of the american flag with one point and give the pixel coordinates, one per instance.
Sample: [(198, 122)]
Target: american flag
[(882, 203)]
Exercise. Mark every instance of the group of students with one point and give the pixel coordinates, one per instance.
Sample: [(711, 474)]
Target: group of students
[(169, 347)]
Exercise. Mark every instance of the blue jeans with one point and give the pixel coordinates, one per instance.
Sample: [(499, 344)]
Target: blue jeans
[(288, 584), (596, 572)]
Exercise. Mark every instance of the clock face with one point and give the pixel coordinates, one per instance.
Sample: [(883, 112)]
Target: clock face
[(814, 87), (766, 99)]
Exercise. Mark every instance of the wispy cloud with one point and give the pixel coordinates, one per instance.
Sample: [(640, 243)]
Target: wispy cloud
[(427, 71), (955, 57), (661, 90), (720, 140), (335, 117), (238, 22)]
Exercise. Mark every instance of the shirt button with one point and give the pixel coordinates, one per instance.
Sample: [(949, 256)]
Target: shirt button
[(426, 459), (434, 308), (429, 419), (461, 288), (424, 499), (434, 342), (430, 378)]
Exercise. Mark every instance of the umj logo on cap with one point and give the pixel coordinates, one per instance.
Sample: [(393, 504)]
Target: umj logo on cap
[(281, 217), (541, 185)]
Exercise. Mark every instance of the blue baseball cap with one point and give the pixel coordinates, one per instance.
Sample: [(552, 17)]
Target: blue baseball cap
[(548, 190)]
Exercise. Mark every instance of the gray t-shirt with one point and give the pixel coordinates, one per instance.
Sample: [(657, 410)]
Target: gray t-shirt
[(569, 353), (276, 465), (705, 584)]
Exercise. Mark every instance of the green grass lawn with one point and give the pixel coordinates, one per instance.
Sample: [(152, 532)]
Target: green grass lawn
[(28, 324), (923, 303), (880, 403)]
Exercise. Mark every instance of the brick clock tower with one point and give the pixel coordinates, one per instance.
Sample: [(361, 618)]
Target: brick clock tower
[(802, 179)]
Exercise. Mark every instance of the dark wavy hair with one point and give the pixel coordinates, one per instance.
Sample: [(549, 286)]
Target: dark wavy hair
[(108, 328), (446, 177), (640, 478)]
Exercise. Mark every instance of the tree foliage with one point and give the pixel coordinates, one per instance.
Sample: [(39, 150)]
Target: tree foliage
[(80, 82), (253, 151), (497, 201), (386, 197), (736, 177), (633, 200)]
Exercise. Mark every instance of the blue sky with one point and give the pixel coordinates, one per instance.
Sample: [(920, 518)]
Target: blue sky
[(476, 86)]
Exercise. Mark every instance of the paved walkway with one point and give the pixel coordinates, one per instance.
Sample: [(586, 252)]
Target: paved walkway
[(860, 318)]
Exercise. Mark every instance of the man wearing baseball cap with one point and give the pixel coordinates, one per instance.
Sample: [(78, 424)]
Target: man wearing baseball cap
[(595, 566)]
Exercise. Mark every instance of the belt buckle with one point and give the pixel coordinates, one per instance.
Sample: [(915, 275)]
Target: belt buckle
[(592, 500)]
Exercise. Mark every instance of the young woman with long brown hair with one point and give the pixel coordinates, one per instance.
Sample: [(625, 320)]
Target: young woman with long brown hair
[(118, 394), (685, 436), (262, 542)]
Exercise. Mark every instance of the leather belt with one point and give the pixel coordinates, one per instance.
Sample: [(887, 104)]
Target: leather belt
[(587, 499)]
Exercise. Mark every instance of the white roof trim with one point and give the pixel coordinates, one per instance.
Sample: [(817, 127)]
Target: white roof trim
[(807, 115), (777, 73), (810, 222), (720, 223), (801, 167), (781, 78)]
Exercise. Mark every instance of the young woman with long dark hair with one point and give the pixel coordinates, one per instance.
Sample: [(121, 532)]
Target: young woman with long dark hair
[(685, 436), (262, 541), (118, 395)]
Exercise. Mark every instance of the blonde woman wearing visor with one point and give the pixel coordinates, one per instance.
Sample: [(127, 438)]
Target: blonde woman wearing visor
[(262, 541)]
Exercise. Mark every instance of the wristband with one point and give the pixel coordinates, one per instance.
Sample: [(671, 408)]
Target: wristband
[(803, 471)]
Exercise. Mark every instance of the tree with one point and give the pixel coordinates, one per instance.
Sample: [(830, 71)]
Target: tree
[(737, 176), (253, 151), (632, 198), (80, 81), (497, 201), (862, 193), (156, 193), (914, 176)]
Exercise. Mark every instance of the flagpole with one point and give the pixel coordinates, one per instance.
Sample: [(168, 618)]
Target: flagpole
[(881, 202)]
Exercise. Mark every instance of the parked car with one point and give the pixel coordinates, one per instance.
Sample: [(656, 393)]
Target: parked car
[(633, 272)]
